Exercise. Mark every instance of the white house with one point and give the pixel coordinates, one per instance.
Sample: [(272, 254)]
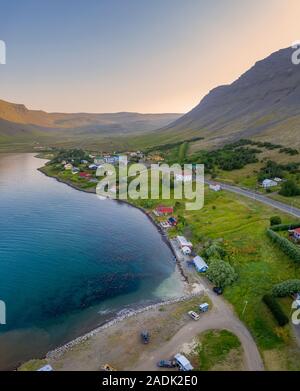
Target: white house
[(98, 160), (277, 179), (68, 166), (200, 265), (186, 250), (183, 242), (215, 187), (183, 177), (267, 183)]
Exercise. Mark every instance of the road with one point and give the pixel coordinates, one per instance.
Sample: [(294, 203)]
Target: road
[(258, 197), (220, 317)]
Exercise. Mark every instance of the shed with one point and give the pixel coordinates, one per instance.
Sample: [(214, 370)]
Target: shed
[(267, 183), (183, 242), (200, 265), (183, 362), (186, 250)]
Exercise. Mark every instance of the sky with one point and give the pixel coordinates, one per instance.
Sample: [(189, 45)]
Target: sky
[(134, 55)]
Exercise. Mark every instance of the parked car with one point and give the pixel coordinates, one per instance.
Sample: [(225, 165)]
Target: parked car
[(194, 315), (167, 364), (218, 290), (145, 337)]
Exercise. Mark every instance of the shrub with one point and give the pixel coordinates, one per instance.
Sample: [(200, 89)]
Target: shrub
[(286, 246), (221, 273), (285, 227), (289, 189), (286, 288), (276, 310), (275, 220)]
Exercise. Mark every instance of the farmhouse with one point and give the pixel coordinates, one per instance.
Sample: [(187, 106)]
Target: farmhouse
[(183, 242), (267, 183), (200, 265)]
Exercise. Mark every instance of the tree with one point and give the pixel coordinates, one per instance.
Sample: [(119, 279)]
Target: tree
[(289, 189), (214, 251), (275, 220), (221, 273)]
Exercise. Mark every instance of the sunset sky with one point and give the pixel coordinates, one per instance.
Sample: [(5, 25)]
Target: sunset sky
[(135, 55)]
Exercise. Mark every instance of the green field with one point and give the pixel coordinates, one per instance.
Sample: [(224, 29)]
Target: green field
[(240, 224), (217, 350)]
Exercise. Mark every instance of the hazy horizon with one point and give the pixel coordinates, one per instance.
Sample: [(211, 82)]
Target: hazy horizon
[(134, 56)]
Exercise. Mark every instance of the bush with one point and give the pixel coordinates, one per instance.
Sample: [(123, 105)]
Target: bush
[(286, 246), (286, 288), (285, 227), (289, 189), (275, 220), (221, 273), (276, 310)]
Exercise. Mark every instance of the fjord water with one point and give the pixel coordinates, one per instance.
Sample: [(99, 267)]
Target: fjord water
[(69, 261)]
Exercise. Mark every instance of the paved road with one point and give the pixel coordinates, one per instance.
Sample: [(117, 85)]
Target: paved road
[(258, 197), (220, 317)]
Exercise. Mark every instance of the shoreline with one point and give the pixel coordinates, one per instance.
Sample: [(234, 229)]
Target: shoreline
[(59, 351), (163, 234), (189, 290)]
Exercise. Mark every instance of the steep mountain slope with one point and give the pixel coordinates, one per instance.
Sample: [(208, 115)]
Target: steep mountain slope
[(263, 103)]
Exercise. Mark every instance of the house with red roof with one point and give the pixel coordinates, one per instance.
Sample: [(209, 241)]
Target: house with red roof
[(297, 233), (85, 175), (164, 210)]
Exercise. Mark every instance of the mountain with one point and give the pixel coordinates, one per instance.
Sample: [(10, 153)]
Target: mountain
[(21, 125), (264, 103)]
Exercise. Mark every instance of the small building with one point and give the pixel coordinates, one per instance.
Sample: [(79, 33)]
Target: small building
[(183, 177), (84, 161), (172, 221), (277, 179), (75, 170), (93, 166), (183, 242), (165, 225), (99, 160), (164, 210), (111, 159), (296, 233), (85, 175), (203, 307), (186, 250), (68, 166), (215, 187), (200, 265), (183, 362), (267, 183)]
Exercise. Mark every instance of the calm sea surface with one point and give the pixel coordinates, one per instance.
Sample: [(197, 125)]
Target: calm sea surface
[(69, 261)]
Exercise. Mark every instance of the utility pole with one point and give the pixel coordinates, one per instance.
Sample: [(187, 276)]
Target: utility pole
[(246, 303)]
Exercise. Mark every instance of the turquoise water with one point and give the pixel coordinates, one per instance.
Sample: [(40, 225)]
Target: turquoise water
[(69, 261)]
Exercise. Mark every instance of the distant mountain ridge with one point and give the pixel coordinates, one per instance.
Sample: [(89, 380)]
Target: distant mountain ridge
[(263, 103)]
